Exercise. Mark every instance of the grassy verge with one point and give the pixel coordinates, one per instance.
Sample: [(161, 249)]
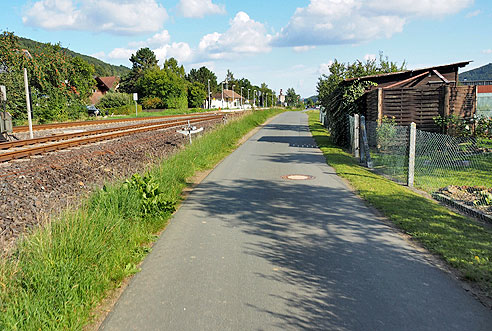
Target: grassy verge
[(62, 271), (463, 243)]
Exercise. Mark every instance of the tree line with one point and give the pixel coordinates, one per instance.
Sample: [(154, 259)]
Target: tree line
[(341, 98), (61, 82), (170, 87)]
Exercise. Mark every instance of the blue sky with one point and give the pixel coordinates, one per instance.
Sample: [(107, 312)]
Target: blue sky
[(283, 43)]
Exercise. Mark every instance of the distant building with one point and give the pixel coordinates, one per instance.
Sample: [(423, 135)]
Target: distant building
[(230, 100), (104, 84), (281, 98)]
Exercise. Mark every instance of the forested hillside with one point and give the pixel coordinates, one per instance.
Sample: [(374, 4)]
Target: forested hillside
[(100, 68), (482, 73)]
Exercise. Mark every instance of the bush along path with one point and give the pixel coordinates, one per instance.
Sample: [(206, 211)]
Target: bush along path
[(464, 244), (62, 271)]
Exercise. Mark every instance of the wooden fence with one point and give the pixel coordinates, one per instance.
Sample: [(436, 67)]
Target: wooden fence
[(420, 105)]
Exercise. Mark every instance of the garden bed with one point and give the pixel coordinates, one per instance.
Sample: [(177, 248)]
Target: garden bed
[(473, 200)]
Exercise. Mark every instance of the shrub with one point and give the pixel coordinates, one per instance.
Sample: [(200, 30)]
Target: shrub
[(123, 110), (151, 103), (115, 100)]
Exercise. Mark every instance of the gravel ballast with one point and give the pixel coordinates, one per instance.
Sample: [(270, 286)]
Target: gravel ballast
[(34, 190)]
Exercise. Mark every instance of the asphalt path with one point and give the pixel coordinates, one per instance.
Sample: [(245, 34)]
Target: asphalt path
[(249, 250)]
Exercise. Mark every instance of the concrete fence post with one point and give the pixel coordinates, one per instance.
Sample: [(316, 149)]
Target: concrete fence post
[(355, 143), (411, 154), (365, 152)]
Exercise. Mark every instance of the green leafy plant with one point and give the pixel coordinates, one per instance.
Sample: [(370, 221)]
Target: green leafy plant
[(152, 201), (485, 199), (483, 127), (386, 131), (115, 100), (454, 125)]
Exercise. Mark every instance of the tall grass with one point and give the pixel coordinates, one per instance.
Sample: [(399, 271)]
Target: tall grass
[(60, 272)]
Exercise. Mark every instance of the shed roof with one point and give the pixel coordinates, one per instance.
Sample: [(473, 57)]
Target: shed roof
[(410, 73), (484, 88)]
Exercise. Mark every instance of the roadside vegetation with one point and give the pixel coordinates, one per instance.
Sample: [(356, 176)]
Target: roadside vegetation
[(62, 83), (464, 244), (58, 274)]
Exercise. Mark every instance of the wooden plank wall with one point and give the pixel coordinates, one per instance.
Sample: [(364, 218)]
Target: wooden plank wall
[(372, 105), (463, 101), (419, 105)]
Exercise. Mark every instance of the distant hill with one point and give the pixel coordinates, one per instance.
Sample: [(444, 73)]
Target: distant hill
[(101, 68), (482, 73), (314, 98)]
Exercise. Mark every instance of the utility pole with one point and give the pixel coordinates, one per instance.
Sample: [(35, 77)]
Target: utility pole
[(209, 94), (242, 103), (28, 102)]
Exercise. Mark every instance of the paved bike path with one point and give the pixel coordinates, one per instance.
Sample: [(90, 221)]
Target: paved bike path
[(249, 250)]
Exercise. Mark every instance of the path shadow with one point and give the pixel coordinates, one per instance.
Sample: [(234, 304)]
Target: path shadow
[(351, 271)]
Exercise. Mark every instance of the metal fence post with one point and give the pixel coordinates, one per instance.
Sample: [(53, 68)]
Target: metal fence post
[(355, 143), (411, 154)]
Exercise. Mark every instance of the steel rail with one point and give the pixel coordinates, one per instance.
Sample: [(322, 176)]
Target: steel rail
[(26, 142), (25, 128), (67, 144)]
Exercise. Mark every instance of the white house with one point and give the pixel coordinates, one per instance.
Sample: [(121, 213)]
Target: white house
[(228, 100)]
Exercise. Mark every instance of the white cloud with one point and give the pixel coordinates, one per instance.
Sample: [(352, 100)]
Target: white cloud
[(199, 8), (473, 14), (156, 40), (324, 68), (487, 51), (245, 36), (160, 44), (426, 8), (300, 49), (180, 51), (119, 17), (121, 53), (353, 21), (370, 57)]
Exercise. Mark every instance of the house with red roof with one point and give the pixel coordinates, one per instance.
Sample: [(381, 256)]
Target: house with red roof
[(103, 86)]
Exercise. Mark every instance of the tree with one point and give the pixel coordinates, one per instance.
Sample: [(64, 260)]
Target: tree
[(165, 85), (202, 75), (340, 99), (59, 83), (196, 94), (143, 60), (291, 97), (172, 65)]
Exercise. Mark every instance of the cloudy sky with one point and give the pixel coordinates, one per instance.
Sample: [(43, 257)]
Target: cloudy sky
[(284, 43)]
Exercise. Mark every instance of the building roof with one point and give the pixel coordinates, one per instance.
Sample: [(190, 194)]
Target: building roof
[(410, 73), (228, 94), (484, 88), (109, 82)]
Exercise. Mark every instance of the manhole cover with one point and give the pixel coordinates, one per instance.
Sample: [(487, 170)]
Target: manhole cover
[(298, 177)]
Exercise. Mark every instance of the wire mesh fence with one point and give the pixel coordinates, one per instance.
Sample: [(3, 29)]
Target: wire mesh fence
[(440, 160), (389, 149)]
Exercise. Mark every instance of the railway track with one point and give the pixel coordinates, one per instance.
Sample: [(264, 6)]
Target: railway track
[(95, 136), (25, 128)]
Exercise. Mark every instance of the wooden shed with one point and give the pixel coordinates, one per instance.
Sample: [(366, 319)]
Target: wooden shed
[(418, 96)]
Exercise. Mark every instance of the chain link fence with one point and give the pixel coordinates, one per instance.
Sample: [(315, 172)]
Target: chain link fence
[(388, 145), (440, 160)]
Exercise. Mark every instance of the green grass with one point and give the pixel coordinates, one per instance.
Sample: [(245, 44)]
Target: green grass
[(60, 272), (463, 243)]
